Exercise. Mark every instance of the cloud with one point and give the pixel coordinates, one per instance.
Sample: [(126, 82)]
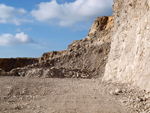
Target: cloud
[(11, 15), (68, 14), (18, 30), (75, 29), (18, 39)]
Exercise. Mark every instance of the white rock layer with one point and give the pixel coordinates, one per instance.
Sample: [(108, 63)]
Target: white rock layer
[(129, 58)]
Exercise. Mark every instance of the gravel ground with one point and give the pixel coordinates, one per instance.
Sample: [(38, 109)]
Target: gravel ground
[(54, 95)]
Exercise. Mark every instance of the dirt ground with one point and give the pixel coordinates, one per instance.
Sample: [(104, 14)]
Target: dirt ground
[(54, 95)]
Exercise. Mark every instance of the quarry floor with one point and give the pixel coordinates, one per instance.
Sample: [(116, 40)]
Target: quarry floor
[(55, 95)]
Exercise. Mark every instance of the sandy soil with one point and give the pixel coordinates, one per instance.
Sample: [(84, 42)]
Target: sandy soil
[(54, 95)]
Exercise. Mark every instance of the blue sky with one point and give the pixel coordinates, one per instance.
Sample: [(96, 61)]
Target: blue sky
[(28, 28)]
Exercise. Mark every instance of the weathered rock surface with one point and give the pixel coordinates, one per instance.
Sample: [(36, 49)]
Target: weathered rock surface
[(102, 27), (52, 54), (7, 64), (129, 58), (84, 58)]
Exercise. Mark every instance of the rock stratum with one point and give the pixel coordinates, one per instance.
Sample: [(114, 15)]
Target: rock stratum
[(129, 58), (7, 64)]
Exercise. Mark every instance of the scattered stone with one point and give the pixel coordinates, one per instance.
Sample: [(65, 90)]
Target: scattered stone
[(116, 92)]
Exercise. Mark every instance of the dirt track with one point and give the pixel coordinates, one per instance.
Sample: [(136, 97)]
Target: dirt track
[(53, 95)]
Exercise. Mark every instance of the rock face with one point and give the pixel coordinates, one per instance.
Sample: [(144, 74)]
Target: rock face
[(129, 58), (8, 64), (84, 58), (52, 54), (102, 27)]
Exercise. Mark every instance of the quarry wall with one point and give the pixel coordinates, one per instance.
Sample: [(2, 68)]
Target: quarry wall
[(129, 58), (84, 58), (7, 64)]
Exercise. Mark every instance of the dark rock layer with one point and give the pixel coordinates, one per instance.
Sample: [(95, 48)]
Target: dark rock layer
[(7, 64)]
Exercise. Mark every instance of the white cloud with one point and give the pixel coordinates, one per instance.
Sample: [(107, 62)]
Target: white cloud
[(11, 15), (77, 29), (18, 39), (69, 13), (18, 30)]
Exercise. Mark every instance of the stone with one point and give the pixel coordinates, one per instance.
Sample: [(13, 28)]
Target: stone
[(2, 72), (116, 92)]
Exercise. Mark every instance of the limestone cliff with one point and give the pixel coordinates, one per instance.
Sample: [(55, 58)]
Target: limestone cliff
[(102, 27), (129, 58)]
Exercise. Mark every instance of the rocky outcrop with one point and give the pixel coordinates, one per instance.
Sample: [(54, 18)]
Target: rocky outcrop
[(7, 64), (129, 58), (101, 27), (52, 54), (84, 58)]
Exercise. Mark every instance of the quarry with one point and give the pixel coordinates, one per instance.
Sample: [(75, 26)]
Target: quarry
[(106, 72)]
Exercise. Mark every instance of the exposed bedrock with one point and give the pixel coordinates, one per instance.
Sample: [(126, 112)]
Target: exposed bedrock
[(129, 58), (7, 64)]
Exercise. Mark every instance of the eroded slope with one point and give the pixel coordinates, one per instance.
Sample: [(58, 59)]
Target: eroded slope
[(84, 58)]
